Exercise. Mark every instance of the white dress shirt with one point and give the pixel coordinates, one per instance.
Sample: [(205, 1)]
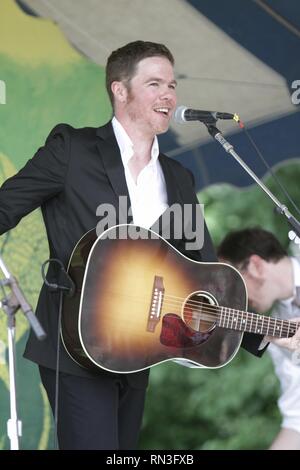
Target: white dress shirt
[(148, 195), (287, 370)]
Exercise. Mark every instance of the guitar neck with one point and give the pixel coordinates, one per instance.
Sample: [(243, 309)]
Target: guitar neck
[(255, 323)]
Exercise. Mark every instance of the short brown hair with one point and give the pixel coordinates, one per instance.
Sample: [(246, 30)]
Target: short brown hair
[(238, 246), (121, 64)]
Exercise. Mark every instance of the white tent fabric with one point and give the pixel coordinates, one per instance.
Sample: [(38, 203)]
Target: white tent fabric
[(220, 74)]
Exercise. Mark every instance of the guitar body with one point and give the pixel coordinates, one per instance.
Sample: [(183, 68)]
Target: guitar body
[(139, 302)]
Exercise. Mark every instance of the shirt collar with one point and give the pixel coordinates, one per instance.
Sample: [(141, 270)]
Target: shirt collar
[(126, 146)]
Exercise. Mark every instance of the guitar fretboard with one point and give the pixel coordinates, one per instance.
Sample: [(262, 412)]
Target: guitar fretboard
[(255, 323)]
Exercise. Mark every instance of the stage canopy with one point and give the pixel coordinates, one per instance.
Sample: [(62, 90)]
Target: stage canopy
[(231, 56)]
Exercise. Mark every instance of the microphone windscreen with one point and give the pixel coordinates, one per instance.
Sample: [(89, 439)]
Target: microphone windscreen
[(179, 114)]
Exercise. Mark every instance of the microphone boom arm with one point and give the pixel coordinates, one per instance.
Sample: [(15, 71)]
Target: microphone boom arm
[(228, 147)]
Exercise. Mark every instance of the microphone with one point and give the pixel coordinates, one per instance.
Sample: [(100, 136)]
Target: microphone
[(184, 114)]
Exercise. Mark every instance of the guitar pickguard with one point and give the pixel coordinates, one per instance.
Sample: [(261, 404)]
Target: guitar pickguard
[(176, 334)]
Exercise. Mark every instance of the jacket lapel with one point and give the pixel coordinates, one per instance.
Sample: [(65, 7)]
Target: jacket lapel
[(110, 153), (172, 190), (173, 197)]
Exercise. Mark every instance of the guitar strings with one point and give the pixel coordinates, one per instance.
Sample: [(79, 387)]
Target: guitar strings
[(229, 312), (211, 313), (206, 314), (247, 319), (285, 328)]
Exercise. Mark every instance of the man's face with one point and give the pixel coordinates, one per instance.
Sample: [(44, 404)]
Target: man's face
[(261, 292), (151, 96)]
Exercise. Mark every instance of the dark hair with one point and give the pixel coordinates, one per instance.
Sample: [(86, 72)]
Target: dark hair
[(121, 64), (238, 246)]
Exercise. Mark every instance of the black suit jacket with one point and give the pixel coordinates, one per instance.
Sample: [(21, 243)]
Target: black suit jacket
[(69, 177)]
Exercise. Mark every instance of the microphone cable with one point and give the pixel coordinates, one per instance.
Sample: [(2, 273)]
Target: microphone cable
[(62, 290), (241, 125), (272, 173)]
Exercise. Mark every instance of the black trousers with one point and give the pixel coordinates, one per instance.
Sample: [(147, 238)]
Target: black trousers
[(103, 412)]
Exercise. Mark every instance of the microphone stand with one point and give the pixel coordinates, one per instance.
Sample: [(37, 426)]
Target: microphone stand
[(10, 304), (280, 208)]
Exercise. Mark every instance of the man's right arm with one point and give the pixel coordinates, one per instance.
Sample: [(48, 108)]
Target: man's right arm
[(41, 178)]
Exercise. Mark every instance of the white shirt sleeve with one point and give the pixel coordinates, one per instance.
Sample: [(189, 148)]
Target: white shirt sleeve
[(288, 374)]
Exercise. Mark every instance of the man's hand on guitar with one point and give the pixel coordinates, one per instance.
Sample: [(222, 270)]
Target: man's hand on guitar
[(292, 343)]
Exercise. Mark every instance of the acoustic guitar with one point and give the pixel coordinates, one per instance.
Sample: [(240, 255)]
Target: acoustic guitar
[(139, 302)]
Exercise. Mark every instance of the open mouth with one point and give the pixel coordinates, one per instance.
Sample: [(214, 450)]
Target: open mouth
[(162, 110)]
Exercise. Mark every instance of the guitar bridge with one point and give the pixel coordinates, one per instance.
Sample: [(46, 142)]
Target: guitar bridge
[(156, 303)]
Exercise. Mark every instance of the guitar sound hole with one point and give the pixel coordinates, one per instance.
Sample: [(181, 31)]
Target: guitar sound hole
[(200, 312)]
